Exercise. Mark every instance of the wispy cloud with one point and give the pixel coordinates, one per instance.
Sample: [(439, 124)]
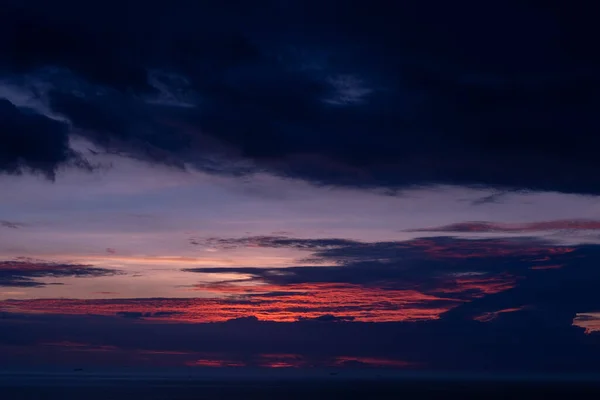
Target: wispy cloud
[(491, 315), (476, 226), (11, 224), (461, 268), (192, 358), (30, 273), (324, 302), (84, 347)]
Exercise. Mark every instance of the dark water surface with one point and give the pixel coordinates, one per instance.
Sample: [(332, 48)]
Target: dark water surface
[(273, 388)]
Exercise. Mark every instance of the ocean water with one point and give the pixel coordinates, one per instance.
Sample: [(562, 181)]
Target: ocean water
[(128, 387)]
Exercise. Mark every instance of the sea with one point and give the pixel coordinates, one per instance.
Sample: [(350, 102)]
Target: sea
[(275, 385)]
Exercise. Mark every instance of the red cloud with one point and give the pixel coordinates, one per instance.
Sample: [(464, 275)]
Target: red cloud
[(281, 303), (294, 302)]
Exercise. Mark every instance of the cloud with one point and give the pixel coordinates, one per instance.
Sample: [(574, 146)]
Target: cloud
[(85, 347), (10, 224), (190, 358), (493, 198), (434, 304), (319, 302), (340, 251), (555, 294), (145, 315), (543, 345), (482, 279), (529, 227), (491, 315), (447, 264), (200, 86), (372, 282), (33, 141), (329, 318), (372, 362), (272, 242), (459, 273), (28, 273), (589, 321)]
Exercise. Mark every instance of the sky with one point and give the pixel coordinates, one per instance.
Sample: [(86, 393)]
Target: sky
[(300, 184)]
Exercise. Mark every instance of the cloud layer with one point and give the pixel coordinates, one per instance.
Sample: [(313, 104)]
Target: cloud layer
[(377, 101), (421, 279), (436, 303)]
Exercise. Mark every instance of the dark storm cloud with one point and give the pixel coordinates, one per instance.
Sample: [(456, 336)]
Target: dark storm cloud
[(27, 273), (556, 293), (374, 93), (33, 141)]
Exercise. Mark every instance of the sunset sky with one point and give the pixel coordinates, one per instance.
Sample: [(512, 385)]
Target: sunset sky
[(298, 184)]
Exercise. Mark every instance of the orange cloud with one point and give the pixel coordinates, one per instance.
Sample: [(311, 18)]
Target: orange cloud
[(268, 302), (282, 303), (589, 321)]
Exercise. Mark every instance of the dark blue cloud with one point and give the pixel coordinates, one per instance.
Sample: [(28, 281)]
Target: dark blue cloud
[(552, 282), (525, 341), (427, 264), (373, 94), (33, 141)]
